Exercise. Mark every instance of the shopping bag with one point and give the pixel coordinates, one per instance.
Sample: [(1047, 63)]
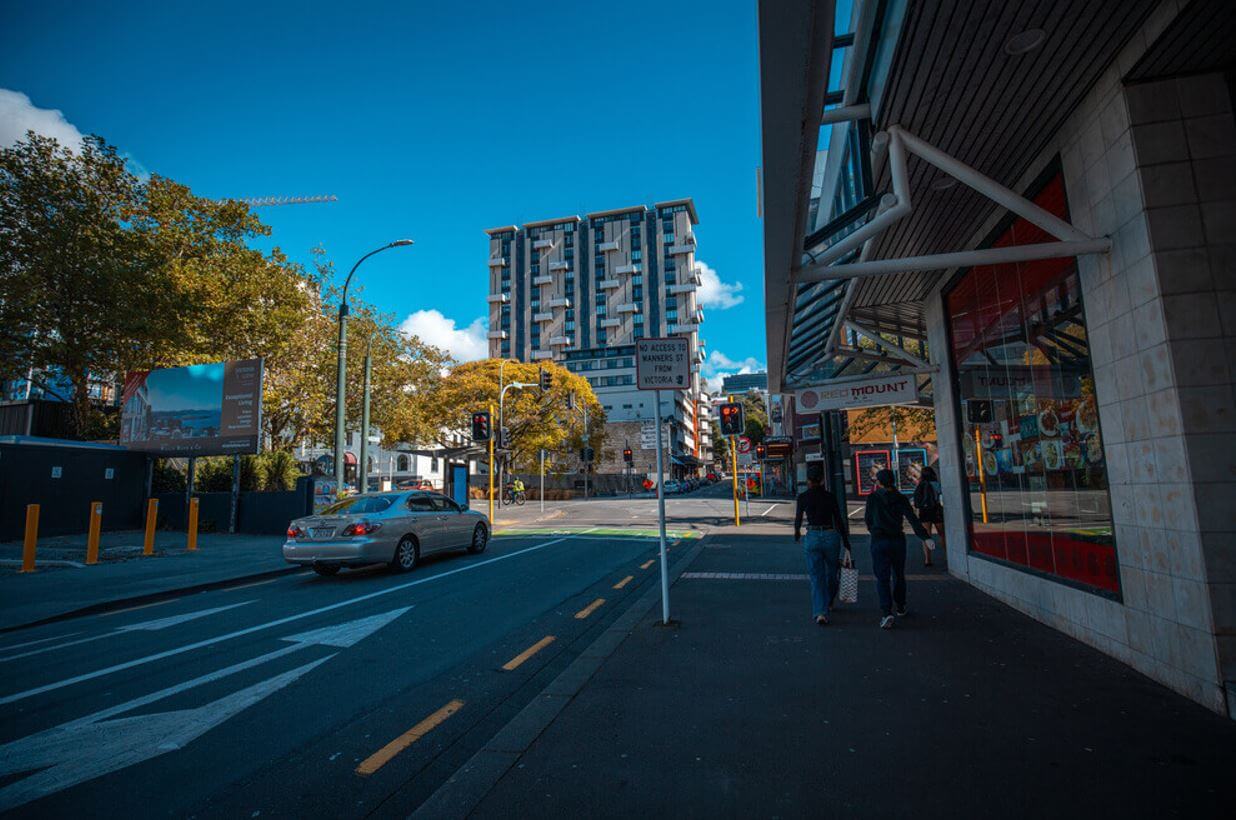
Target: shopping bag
[(848, 593)]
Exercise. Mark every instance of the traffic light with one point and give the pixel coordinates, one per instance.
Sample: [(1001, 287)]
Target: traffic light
[(480, 426), (587, 454), (628, 456), (731, 419), (760, 451), (547, 380)]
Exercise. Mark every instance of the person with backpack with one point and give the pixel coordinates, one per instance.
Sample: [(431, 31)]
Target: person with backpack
[(930, 511), (886, 510), (826, 532)]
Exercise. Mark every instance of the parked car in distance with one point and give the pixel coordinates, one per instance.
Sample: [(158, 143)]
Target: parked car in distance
[(414, 484), (396, 528), (672, 486)]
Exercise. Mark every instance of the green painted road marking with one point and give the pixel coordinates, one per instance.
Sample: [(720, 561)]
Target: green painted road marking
[(594, 532)]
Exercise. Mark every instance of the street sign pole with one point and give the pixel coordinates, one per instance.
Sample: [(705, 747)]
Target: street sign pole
[(542, 479), (661, 511), (662, 364)]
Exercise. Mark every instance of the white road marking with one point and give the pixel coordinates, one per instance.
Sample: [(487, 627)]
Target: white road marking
[(158, 656), (41, 640), (87, 748), (771, 507), (144, 626)]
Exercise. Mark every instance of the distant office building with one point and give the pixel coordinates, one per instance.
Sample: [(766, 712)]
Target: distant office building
[(743, 382), (580, 291)]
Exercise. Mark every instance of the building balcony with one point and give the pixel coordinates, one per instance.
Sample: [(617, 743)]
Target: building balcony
[(542, 244), (544, 316), (609, 284), (610, 322), (498, 298), (628, 307), (496, 334), (606, 247), (557, 341), (557, 302), (497, 261), (561, 264), (684, 327), (543, 279), (632, 268), (685, 287), (542, 354), (680, 248)]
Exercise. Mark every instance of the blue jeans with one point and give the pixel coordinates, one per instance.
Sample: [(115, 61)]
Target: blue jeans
[(823, 549), (888, 559)]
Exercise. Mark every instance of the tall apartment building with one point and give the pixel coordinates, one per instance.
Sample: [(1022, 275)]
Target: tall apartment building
[(581, 291)]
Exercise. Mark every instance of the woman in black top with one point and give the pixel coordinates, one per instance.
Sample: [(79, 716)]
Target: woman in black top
[(930, 511), (826, 532), (887, 509)]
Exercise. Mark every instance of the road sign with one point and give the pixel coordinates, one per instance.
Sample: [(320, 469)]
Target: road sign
[(744, 444), (663, 363)]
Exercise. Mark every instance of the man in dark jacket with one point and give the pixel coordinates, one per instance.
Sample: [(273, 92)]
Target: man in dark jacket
[(887, 508)]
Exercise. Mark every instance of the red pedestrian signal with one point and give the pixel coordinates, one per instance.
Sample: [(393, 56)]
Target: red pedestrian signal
[(760, 451), (628, 456), (480, 426), (731, 419)]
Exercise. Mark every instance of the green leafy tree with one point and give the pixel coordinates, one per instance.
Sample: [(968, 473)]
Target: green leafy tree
[(81, 292), (535, 420), (910, 423)]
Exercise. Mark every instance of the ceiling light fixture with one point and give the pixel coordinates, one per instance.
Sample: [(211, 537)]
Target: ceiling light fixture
[(942, 183), (1024, 41)]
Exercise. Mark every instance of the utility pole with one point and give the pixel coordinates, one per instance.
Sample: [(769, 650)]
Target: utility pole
[(542, 479), (362, 466), (491, 470)]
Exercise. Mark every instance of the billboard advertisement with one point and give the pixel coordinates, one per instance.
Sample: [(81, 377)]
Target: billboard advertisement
[(200, 410)]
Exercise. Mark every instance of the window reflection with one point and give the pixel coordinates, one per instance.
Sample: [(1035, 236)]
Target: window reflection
[(1033, 450)]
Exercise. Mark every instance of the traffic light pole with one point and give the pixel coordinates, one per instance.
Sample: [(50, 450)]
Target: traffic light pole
[(491, 471), (734, 470)]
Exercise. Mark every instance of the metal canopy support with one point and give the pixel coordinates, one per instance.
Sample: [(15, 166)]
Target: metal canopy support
[(888, 347), (1073, 242)]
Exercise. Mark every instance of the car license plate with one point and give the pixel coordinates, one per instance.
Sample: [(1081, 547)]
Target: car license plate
[(322, 532)]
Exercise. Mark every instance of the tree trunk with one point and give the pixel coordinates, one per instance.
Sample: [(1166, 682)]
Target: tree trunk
[(80, 380)]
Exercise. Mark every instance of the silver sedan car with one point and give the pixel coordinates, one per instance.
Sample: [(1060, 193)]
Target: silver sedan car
[(395, 528)]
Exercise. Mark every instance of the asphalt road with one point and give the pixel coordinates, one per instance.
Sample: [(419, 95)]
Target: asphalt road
[(308, 696)]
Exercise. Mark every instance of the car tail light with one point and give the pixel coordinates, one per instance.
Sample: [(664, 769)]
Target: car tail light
[(295, 532), (361, 528)]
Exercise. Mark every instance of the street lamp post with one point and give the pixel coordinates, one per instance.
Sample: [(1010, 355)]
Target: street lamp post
[(341, 374)]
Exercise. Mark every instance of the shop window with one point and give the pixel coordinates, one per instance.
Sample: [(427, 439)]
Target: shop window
[(1033, 452)]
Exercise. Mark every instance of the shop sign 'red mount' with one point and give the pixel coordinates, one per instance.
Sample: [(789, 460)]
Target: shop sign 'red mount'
[(855, 394)]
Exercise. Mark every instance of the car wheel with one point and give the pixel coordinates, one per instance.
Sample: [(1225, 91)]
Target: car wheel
[(326, 569), (480, 540), (407, 555)]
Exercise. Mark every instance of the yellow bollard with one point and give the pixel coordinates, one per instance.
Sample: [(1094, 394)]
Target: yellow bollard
[(152, 517), (192, 544), (32, 538), (96, 524)]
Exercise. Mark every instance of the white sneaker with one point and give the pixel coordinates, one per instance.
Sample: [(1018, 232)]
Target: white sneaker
[(887, 622)]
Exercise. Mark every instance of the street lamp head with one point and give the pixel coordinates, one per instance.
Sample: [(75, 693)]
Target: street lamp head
[(399, 243)]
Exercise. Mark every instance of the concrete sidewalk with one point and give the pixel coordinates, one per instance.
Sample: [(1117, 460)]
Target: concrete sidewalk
[(966, 709), (124, 574)]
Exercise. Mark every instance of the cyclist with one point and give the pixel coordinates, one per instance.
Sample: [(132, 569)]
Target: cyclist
[(517, 486)]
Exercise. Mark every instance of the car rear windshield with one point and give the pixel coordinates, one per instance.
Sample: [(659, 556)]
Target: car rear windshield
[(360, 504)]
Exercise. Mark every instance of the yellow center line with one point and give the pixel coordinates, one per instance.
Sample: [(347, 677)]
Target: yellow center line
[(384, 755), (515, 662), (591, 608), (648, 563), (624, 582)]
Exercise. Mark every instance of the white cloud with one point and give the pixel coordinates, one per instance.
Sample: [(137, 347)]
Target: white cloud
[(714, 293), (465, 344), (19, 115), (718, 366)]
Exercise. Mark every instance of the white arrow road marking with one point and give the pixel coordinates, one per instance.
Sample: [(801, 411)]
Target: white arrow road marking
[(158, 656), (88, 747), (144, 626), (74, 754)]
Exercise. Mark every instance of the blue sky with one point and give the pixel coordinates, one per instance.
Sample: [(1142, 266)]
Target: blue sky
[(428, 120)]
